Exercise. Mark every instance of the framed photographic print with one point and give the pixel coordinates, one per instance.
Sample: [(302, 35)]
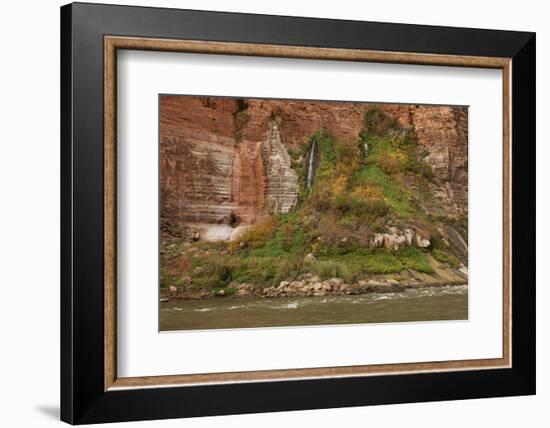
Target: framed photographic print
[(266, 213)]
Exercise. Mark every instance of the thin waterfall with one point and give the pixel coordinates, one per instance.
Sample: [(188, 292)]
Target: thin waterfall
[(310, 166)]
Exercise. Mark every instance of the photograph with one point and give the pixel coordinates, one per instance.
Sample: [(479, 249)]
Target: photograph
[(262, 211), (290, 212)]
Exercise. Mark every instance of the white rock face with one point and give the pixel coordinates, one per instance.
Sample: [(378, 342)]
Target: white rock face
[(397, 240), (377, 241), (409, 236), (281, 181), (212, 232)]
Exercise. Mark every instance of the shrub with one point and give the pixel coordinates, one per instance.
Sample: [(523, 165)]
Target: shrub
[(368, 192), (326, 270), (346, 274), (377, 122), (233, 221), (320, 199), (391, 163), (287, 269), (330, 269), (347, 152), (364, 210), (216, 272), (166, 280), (253, 269), (256, 235), (242, 117), (288, 233), (327, 153), (419, 167)]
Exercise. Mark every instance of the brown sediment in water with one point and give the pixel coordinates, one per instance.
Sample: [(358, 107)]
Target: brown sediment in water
[(419, 304)]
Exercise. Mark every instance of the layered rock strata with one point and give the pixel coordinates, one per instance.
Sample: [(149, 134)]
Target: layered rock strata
[(281, 181), (225, 162), (443, 132)]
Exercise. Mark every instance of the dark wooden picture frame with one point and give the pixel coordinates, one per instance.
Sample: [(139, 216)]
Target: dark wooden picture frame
[(90, 37)]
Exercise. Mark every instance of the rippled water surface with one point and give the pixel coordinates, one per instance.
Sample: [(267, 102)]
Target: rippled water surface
[(422, 304)]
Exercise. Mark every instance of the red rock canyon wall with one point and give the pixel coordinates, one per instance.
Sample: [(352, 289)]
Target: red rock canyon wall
[(224, 155)]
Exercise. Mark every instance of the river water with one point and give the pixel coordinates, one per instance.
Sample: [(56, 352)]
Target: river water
[(420, 304)]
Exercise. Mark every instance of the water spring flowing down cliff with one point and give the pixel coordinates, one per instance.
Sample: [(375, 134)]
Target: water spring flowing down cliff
[(310, 172)]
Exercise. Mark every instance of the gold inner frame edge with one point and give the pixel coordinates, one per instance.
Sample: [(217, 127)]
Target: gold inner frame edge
[(113, 43)]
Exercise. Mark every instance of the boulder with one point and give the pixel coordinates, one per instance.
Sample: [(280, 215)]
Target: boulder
[(244, 289), (394, 241), (409, 236), (400, 242), (327, 286), (377, 241), (283, 284), (309, 258), (335, 282), (422, 242)]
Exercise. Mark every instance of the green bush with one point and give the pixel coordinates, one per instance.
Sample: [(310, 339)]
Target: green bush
[(242, 117), (329, 269), (216, 272), (377, 122), (287, 269)]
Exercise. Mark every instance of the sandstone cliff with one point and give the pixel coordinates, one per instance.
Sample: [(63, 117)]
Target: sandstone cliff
[(226, 160)]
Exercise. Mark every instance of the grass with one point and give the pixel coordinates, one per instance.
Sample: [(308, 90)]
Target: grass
[(394, 193), (331, 269), (445, 257), (382, 261)]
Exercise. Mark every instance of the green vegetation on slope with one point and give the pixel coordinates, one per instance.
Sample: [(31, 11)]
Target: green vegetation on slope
[(359, 189)]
